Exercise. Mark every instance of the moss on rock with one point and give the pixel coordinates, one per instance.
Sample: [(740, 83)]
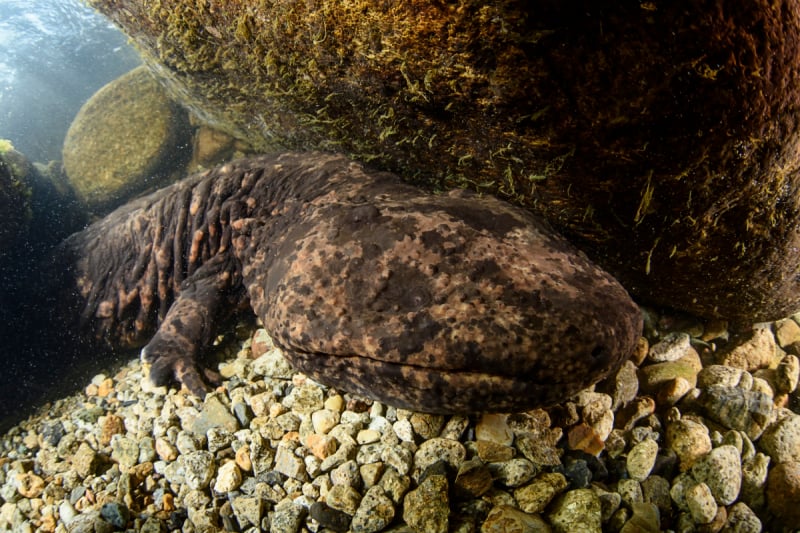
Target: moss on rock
[(124, 140), (15, 212), (661, 137)]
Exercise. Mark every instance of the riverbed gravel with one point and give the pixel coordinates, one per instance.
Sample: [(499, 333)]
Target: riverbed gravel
[(700, 431)]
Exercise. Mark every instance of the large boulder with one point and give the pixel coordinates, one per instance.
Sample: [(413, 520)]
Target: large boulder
[(127, 138), (661, 137), (15, 212)]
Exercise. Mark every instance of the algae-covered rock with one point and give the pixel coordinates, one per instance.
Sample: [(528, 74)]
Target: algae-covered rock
[(126, 139), (15, 214), (661, 137)]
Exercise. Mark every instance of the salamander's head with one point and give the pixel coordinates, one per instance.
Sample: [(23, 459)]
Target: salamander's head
[(450, 304)]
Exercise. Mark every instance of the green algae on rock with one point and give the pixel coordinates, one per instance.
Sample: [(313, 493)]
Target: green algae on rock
[(126, 139), (661, 137)]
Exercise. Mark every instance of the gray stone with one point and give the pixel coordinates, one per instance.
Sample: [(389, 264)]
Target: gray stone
[(787, 374), (641, 459), (124, 451), (198, 468), (214, 414), (645, 519), (671, 348), (85, 461), (576, 510), (287, 517), (701, 503), (272, 364), (218, 438), (343, 498), (742, 519), (721, 470), (782, 439), (754, 480), (433, 450), (115, 514), (398, 457), (369, 453), (248, 510), (375, 512), (427, 507), (536, 495), (735, 408), (288, 464), (514, 472), (304, 399), (689, 440)]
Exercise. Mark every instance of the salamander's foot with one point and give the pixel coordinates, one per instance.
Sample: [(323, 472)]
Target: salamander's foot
[(171, 363)]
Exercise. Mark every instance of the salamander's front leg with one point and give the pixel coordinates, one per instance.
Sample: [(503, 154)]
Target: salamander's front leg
[(189, 328)]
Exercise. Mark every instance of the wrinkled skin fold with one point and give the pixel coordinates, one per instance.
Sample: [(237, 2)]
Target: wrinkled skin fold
[(447, 303)]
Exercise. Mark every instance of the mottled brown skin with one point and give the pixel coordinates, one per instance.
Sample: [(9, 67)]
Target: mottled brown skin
[(440, 303)]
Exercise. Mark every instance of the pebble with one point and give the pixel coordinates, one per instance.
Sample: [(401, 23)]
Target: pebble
[(783, 492), (375, 512), (199, 468), (742, 519), (494, 428), (514, 472), (781, 440), (754, 480), (787, 374), (787, 332), (721, 470), (537, 495), (438, 449), (577, 510), (427, 507), (473, 478), (757, 351), (671, 348), (115, 514), (229, 478), (689, 440), (652, 377), (287, 517), (508, 519), (735, 408), (273, 450), (343, 498), (701, 503), (641, 459), (646, 518)]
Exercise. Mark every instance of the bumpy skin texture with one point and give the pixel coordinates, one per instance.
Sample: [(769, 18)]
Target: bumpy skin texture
[(440, 303)]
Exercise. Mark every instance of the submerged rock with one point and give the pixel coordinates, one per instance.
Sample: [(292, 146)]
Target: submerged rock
[(649, 134), (126, 139)]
